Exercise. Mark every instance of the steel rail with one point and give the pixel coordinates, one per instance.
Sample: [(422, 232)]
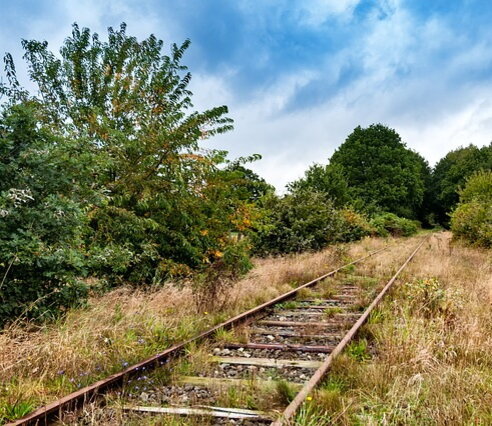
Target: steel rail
[(48, 413), (309, 386)]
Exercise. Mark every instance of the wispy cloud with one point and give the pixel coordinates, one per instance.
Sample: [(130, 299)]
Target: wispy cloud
[(299, 76)]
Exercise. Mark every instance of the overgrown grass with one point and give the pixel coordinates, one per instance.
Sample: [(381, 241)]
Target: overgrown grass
[(332, 311), (431, 349), (40, 363)]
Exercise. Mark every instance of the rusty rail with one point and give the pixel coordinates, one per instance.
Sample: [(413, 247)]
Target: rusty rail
[(48, 413), (292, 408)]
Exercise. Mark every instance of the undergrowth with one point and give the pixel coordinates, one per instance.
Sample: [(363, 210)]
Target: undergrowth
[(41, 363), (426, 356)]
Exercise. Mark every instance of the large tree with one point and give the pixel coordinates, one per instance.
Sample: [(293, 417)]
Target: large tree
[(381, 171), (452, 171), (165, 203)]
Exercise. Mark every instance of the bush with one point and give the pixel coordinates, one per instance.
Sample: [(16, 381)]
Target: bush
[(355, 226), (472, 218), (41, 225), (390, 224), (306, 220)]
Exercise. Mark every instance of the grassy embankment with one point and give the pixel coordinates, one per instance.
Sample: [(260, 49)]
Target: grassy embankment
[(41, 363), (426, 355)]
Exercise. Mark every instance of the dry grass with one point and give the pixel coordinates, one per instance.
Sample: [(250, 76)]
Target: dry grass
[(431, 346), (39, 364)]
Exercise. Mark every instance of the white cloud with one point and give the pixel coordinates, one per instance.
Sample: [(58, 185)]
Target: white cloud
[(401, 87), (413, 79), (316, 12)]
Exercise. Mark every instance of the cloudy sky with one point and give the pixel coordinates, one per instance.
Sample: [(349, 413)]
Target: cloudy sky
[(298, 76)]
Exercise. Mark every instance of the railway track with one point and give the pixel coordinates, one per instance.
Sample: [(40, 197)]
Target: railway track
[(254, 369)]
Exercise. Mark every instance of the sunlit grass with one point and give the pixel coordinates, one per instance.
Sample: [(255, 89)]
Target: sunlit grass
[(40, 363), (428, 359)]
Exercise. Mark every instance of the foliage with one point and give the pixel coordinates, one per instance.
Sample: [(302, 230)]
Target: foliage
[(381, 171), (355, 225), (104, 174), (452, 171), (477, 188), (41, 223), (328, 180), (248, 185), (167, 206), (425, 213), (306, 220), (390, 224), (472, 218)]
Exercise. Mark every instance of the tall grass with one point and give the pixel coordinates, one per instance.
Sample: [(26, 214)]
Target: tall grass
[(431, 347), (40, 363)]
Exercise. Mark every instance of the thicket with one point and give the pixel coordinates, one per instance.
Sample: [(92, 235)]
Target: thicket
[(472, 218), (104, 174)]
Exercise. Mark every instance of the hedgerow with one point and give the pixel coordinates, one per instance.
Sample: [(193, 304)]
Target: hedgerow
[(390, 224), (472, 218)]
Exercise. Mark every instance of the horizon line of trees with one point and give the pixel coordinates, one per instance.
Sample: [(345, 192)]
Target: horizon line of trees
[(103, 174), (374, 171)]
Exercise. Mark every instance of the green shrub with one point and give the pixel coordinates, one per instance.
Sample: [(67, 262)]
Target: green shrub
[(472, 218), (304, 220), (355, 226), (40, 223), (477, 188), (390, 224)]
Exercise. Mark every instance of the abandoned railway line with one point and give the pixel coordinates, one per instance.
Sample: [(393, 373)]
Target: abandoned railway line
[(283, 347)]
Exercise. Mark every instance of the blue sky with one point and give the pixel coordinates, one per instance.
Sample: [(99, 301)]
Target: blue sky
[(298, 76)]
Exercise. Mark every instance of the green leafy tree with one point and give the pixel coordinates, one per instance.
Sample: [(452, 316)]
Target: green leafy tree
[(41, 224), (165, 205), (381, 171), (425, 213), (328, 180), (452, 171), (248, 185)]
